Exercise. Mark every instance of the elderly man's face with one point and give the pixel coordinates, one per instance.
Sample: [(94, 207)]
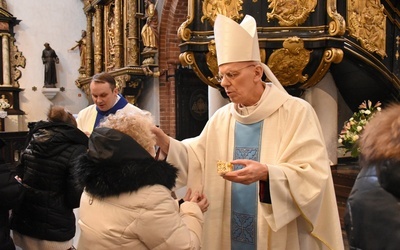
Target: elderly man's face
[(102, 95), (239, 81)]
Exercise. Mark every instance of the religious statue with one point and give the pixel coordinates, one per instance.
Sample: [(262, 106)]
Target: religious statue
[(81, 44), (49, 58), (150, 29), (3, 4)]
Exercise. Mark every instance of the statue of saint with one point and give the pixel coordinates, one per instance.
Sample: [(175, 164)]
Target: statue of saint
[(49, 58), (3, 4), (150, 29), (81, 44)]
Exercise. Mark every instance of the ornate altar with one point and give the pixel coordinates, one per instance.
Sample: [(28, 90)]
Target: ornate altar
[(298, 39), (12, 59), (112, 44), (302, 40)]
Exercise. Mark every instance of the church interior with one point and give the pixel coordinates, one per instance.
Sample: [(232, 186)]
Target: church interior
[(333, 54)]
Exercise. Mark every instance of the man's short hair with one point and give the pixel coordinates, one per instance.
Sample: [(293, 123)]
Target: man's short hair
[(105, 77)]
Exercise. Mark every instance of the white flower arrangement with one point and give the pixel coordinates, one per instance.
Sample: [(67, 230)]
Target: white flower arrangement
[(353, 127), (4, 104)]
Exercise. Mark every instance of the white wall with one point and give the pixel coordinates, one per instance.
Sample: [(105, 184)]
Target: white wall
[(60, 24)]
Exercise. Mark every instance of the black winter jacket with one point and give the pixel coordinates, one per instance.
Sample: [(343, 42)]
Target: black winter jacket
[(372, 218), (46, 211), (10, 191)]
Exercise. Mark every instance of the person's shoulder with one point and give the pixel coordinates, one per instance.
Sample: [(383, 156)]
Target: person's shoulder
[(297, 104), (224, 111), (131, 107), (90, 107)]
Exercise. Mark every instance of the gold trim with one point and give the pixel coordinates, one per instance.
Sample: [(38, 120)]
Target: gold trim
[(131, 32), (119, 46), (118, 74), (183, 32), (110, 34), (281, 39), (332, 55), (231, 9), (296, 28), (16, 60), (367, 23), (289, 62), (291, 13), (388, 76), (212, 63), (89, 45), (98, 39), (321, 28), (188, 59), (375, 63), (337, 27)]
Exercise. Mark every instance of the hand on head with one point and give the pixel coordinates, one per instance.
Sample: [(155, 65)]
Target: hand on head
[(162, 139)]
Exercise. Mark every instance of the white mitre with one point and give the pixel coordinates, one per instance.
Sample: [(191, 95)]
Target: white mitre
[(239, 43)]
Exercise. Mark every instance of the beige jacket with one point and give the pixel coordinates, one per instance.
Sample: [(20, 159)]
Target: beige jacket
[(147, 219)]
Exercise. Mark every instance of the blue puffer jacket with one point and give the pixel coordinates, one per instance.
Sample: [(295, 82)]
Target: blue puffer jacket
[(46, 211)]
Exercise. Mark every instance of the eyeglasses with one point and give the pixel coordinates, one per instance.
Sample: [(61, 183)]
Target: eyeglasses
[(231, 75)]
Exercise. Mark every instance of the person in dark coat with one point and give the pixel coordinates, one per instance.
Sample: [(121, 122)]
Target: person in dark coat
[(45, 218), (10, 191), (372, 218)]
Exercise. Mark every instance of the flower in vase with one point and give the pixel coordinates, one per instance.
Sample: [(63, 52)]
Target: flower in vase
[(4, 104), (353, 127)]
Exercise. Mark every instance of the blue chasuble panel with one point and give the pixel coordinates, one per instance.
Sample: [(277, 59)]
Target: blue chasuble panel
[(245, 197)]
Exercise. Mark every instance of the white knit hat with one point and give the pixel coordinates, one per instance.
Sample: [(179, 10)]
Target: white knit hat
[(239, 43)]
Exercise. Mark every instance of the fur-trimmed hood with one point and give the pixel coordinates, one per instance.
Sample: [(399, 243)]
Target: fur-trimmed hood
[(103, 174)]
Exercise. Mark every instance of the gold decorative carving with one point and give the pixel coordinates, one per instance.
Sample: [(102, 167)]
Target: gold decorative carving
[(123, 77), (110, 32), (16, 60), (132, 45), (397, 47), (118, 29), (229, 8), (98, 39), (289, 62), (3, 4), (121, 81), (332, 55), (183, 32), (291, 12), (84, 86), (212, 63), (367, 23), (133, 98), (188, 59), (89, 45), (337, 27)]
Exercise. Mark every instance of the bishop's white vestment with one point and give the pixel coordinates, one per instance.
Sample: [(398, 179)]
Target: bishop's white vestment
[(303, 213)]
